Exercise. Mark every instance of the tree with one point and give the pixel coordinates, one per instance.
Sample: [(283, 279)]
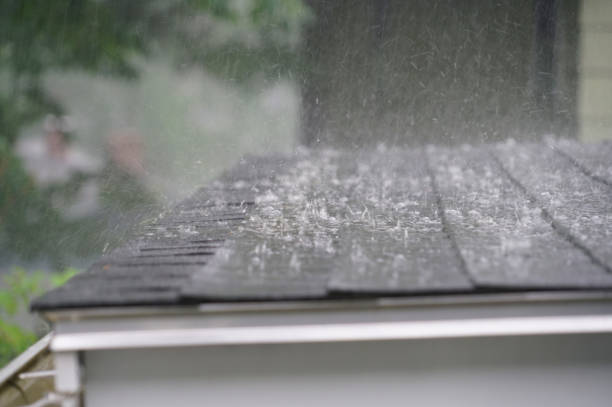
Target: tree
[(105, 37)]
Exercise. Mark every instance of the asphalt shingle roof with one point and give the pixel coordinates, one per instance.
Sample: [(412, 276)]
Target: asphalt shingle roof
[(327, 224)]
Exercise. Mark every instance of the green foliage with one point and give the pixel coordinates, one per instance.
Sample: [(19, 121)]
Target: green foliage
[(19, 287), (36, 37), (233, 38), (246, 39), (104, 36), (13, 341)]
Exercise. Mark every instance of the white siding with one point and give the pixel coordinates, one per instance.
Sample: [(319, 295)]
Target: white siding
[(595, 67), (555, 371)]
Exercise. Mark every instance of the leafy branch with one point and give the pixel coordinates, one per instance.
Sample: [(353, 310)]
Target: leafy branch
[(19, 287)]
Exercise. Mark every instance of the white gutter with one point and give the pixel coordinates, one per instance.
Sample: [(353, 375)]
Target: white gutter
[(343, 321), (18, 364), (486, 327)]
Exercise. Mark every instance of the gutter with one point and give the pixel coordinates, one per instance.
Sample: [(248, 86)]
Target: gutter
[(357, 332), (331, 321), (28, 377), (21, 363)]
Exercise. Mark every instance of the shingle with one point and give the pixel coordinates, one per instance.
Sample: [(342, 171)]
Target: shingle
[(106, 284), (395, 241), (103, 296)]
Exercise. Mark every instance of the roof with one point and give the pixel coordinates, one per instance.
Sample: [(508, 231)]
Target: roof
[(326, 224)]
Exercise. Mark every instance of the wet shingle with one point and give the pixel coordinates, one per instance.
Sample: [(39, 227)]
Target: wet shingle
[(392, 239)]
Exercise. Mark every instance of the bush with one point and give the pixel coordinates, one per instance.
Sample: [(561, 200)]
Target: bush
[(19, 288)]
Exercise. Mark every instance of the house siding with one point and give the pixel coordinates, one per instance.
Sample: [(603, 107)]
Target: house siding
[(595, 84), (568, 370)]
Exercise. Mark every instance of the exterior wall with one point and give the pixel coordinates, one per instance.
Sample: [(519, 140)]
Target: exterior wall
[(555, 371), (409, 72), (595, 89), (414, 72)]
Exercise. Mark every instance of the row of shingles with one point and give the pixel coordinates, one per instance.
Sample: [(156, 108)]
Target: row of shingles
[(201, 225), (147, 270), (517, 255), (578, 206), (152, 268), (504, 237), (397, 243), (262, 259), (119, 278)]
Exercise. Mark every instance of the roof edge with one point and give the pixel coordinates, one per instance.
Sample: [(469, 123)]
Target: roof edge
[(386, 302)]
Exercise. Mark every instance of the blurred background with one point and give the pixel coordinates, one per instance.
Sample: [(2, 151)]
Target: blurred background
[(112, 110)]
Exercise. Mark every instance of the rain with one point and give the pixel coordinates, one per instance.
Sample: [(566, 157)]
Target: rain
[(344, 146)]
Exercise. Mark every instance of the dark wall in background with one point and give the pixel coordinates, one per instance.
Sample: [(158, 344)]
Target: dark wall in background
[(442, 71)]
